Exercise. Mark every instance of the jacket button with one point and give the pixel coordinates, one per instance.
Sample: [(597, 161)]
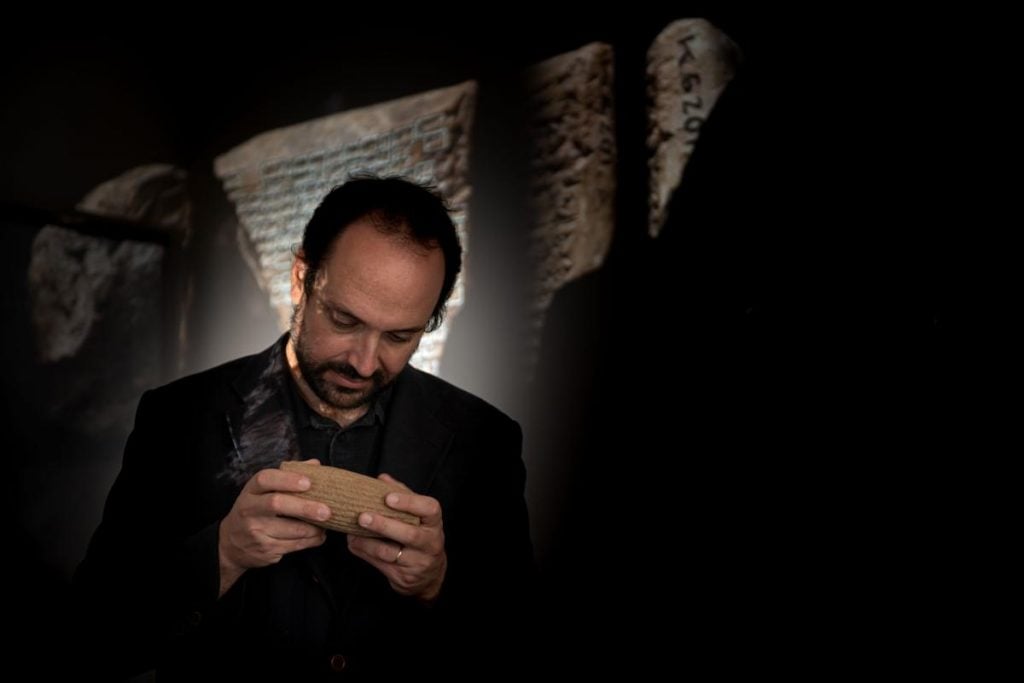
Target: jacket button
[(338, 662), (195, 618)]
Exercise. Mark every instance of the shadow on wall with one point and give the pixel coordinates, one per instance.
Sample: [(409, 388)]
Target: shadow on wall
[(736, 424)]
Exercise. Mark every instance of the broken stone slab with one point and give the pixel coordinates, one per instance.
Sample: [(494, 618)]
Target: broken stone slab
[(96, 302), (689, 64), (572, 171), (276, 179)]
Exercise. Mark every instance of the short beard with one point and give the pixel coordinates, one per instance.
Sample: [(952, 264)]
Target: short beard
[(339, 397)]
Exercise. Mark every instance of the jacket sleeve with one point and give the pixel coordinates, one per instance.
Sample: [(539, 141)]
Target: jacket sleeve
[(151, 571)]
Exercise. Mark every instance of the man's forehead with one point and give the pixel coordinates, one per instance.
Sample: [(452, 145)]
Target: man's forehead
[(390, 310)]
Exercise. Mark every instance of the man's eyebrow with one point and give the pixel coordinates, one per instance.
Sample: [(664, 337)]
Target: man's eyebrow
[(337, 309)]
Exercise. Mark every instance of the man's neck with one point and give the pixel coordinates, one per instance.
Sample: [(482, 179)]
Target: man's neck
[(342, 417)]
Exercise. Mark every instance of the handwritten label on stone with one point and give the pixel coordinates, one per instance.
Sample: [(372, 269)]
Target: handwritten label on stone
[(688, 66)]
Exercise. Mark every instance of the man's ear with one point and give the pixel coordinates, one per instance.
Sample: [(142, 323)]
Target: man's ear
[(298, 277)]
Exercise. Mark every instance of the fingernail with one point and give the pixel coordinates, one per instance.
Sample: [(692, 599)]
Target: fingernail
[(304, 483), (324, 512), (365, 519), (392, 499)]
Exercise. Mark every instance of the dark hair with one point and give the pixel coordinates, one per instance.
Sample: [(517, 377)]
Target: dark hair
[(395, 206)]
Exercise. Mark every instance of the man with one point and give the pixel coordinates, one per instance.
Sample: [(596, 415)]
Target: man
[(206, 564)]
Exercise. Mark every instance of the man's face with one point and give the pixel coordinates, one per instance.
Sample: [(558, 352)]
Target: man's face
[(362, 321)]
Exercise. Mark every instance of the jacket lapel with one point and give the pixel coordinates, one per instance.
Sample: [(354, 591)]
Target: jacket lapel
[(261, 425), (416, 440)]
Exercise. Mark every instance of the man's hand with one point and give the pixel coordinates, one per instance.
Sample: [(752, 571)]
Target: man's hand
[(265, 524), (411, 557)]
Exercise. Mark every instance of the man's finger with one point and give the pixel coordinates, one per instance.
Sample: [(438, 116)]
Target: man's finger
[(424, 507), (292, 506), (374, 547), (291, 529), (311, 542), (266, 481), (398, 531)]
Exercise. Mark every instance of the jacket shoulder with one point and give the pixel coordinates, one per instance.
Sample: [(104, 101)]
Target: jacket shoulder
[(452, 403), (211, 387)]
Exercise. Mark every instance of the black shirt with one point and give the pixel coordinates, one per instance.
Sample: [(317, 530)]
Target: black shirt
[(355, 448)]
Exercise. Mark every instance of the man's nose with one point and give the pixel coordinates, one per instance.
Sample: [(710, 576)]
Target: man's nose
[(364, 356)]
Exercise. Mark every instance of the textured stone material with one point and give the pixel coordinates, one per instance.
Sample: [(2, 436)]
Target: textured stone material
[(688, 66), (573, 169), (347, 494), (277, 179), (96, 302)]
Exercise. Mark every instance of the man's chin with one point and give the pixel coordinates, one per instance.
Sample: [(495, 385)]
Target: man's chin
[(348, 400), (345, 398), (341, 397)]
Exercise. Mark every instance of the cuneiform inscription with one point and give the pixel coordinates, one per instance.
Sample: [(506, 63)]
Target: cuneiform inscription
[(572, 179)]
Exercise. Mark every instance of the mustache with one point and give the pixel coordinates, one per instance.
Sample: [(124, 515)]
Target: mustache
[(349, 371)]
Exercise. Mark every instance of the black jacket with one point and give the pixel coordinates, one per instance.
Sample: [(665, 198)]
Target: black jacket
[(148, 586)]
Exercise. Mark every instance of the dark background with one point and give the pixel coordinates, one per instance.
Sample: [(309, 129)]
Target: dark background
[(751, 426)]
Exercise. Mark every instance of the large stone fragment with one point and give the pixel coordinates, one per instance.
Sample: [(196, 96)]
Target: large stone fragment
[(572, 169), (277, 179), (96, 302), (688, 66)]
